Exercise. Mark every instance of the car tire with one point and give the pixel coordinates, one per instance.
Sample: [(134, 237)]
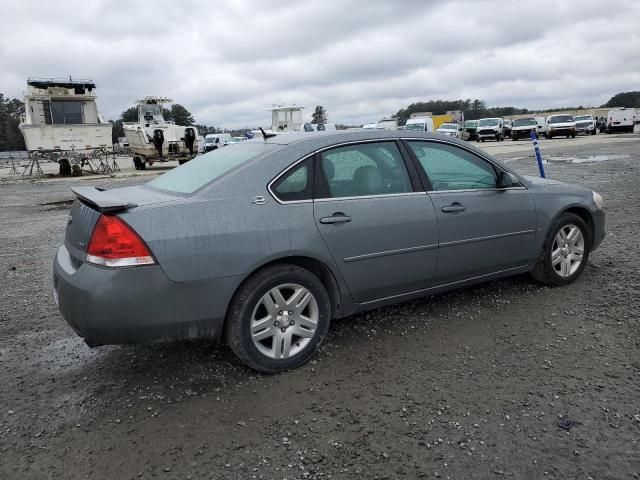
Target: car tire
[(256, 304), (558, 264)]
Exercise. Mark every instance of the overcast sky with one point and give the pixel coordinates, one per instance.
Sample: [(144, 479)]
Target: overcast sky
[(362, 60)]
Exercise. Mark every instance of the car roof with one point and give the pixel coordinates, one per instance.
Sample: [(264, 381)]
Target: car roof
[(328, 138)]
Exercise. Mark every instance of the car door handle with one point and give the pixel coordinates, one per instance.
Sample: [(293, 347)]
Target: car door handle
[(454, 207), (337, 217)]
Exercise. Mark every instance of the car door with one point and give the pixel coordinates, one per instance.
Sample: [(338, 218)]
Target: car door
[(482, 228), (381, 233)]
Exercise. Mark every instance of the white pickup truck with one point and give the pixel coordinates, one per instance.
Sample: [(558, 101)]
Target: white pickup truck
[(585, 124), (561, 125)]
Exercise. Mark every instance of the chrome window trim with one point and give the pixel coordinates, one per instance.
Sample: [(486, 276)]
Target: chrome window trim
[(377, 140), (358, 197), (323, 149), (467, 190), (472, 152), (281, 174)]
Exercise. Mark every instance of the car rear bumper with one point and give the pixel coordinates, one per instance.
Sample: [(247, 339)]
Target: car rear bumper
[(138, 304)]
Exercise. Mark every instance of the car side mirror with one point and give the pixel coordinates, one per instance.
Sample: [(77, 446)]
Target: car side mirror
[(505, 180)]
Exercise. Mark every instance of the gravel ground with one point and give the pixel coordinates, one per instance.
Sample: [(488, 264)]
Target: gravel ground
[(476, 383)]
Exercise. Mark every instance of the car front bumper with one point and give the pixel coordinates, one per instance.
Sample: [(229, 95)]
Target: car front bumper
[(522, 133), (487, 134), (137, 304), (599, 228), (562, 131)]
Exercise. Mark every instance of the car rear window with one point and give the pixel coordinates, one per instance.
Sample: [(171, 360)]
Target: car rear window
[(206, 168)]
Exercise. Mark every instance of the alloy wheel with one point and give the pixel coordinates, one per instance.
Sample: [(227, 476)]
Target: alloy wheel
[(284, 321), (568, 250)]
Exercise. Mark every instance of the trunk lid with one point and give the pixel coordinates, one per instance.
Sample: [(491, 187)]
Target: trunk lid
[(93, 201)]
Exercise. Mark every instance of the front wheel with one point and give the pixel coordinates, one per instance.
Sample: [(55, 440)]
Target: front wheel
[(278, 318), (565, 251)]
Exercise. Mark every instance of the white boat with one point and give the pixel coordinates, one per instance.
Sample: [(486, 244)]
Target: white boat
[(154, 139), (62, 116), (286, 119)]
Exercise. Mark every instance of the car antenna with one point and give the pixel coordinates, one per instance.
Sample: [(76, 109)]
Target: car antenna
[(267, 135)]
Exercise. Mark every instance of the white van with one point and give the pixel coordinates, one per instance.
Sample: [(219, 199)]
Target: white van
[(621, 120), (422, 124), (213, 141)]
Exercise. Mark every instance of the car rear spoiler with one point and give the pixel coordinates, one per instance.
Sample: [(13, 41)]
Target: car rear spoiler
[(101, 200)]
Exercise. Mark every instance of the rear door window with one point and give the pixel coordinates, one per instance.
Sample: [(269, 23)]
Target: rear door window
[(364, 169)]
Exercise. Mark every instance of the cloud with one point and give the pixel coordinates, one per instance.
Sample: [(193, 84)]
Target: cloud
[(227, 62)]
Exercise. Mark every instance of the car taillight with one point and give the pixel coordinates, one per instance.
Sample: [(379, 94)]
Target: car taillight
[(113, 243)]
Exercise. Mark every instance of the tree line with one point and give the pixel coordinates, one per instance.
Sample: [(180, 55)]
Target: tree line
[(12, 109), (10, 112)]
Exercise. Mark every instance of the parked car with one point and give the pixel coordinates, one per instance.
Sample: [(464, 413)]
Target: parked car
[(265, 242), (213, 141), (585, 124), (561, 125), (469, 130), (523, 127), (450, 129), (508, 124), (621, 120), (490, 129)]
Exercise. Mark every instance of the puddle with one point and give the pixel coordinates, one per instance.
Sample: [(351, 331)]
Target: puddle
[(588, 159)]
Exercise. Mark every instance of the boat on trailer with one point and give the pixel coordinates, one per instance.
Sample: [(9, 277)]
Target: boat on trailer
[(154, 139), (61, 122)]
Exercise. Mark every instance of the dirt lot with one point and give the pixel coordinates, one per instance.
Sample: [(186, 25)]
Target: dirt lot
[(469, 384)]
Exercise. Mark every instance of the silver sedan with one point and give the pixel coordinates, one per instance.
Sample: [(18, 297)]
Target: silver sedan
[(263, 242)]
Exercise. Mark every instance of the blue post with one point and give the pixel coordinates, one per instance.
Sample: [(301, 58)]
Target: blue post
[(534, 137)]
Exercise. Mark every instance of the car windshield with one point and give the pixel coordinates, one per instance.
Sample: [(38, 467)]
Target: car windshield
[(448, 126), (560, 119), (525, 122), (414, 126), (471, 124), (209, 140), (488, 122), (206, 168), (582, 118)]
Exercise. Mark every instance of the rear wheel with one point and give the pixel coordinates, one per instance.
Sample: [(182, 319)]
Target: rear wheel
[(565, 252), (278, 318)]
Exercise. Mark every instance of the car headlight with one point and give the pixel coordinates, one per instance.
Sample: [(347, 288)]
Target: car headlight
[(598, 200)]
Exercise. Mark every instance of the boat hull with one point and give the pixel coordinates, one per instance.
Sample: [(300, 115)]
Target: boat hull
[(66, 137), (173, 146)]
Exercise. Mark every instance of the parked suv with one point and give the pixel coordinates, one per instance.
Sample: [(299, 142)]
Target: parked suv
[(491, 128), (585, 124), (561, 125)]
